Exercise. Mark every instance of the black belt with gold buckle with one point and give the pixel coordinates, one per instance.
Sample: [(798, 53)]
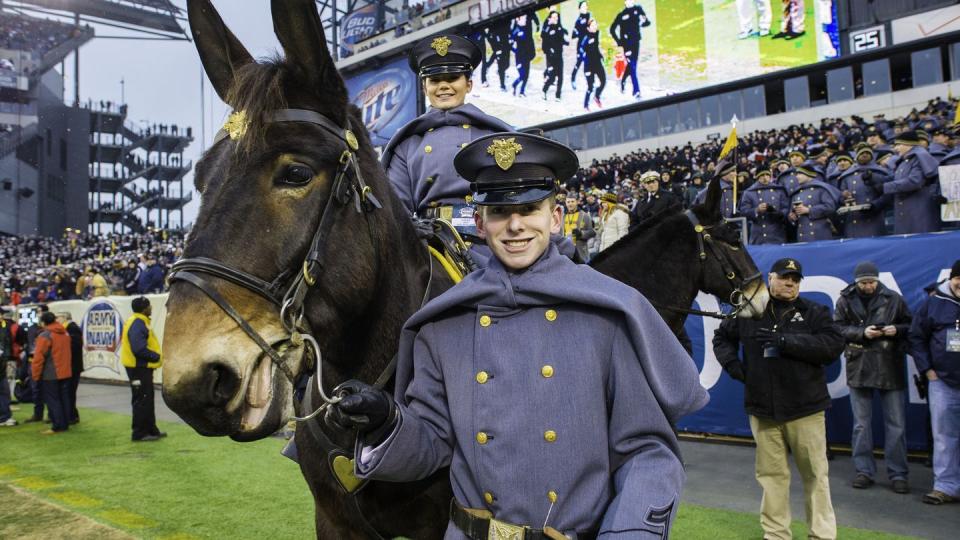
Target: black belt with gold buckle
[(479, 528)]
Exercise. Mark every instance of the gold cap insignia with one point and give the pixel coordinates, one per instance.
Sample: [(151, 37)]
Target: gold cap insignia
[(236, 125), (441, 45), (504, 151), (791, 265)]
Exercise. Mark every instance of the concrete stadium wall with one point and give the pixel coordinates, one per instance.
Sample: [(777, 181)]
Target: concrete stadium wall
[(893, 105)]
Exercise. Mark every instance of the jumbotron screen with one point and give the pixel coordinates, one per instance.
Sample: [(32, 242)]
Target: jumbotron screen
[(671, 46)]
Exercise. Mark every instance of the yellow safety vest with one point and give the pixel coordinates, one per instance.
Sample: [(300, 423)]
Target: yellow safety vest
[(127, 357)]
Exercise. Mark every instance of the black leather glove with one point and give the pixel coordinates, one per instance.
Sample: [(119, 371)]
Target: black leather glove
[(735, 370), (369, 410), (576, 234), (940, 199), (767, 337)]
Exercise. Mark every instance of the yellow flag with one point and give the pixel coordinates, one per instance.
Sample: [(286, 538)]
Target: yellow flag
[(731, 142), (956, 116)]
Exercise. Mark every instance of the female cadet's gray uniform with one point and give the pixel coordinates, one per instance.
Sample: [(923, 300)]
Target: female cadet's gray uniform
[(419, 158), (526, 422)]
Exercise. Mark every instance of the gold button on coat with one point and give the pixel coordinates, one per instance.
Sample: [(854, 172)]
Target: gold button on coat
[(552, 496), (485, 321), (464, 145), (487, 496), (482, 438), (550, 435), (547, 371), (466, 126), (551, 315), (428, 149), (482, 377)]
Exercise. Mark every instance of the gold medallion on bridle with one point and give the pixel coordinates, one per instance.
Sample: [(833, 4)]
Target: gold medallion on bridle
[(441, 45), (352, 141), (236, 125), (504, 151)]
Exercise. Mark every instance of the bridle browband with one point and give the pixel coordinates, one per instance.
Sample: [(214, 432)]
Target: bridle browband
[(705, 244), (288, 290)]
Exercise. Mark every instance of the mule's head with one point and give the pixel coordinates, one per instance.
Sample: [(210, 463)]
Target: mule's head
[(729, 271), (263, 189)]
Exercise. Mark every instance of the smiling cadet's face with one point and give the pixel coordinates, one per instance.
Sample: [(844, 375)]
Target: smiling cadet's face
[(519, 234), (447, 91)]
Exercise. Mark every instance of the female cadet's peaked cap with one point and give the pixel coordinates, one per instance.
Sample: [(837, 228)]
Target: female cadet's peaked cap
[(444, 53), (514, 168)]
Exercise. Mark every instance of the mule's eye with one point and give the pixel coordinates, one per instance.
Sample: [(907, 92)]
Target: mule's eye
[(296, 175)]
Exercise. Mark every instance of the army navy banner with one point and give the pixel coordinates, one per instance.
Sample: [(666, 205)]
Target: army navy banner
[(907, 264)]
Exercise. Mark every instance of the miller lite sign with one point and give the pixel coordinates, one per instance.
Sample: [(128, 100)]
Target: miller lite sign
[(385, 98)]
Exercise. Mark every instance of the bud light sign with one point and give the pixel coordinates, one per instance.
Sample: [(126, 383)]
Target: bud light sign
[(357, 26), (386, 99), (102, 327)]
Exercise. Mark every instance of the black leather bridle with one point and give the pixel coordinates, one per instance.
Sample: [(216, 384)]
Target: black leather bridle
[(288, 290), (705, 244)]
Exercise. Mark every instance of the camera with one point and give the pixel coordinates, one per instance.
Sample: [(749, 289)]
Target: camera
[(771, 351)]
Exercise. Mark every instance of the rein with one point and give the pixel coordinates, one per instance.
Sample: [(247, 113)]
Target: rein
[(288, 290), (737, 299)]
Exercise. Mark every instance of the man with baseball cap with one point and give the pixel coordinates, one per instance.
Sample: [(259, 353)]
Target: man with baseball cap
[(576, 435), (875, 322), (785, 396)]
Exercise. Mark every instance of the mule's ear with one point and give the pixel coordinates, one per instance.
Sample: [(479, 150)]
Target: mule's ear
[(298, 27), (711, 203), (220, 51)]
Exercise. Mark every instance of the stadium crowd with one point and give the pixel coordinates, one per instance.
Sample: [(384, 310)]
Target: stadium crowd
[(882, 173), (32, 34), (37, 269)]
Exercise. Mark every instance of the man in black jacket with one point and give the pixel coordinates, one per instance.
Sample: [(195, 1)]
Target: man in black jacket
[(875, 323), (784, 354), (653, 201), (76, 361)]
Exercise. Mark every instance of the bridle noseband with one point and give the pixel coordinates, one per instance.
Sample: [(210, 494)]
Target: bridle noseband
[(705, 244), (288, 290)]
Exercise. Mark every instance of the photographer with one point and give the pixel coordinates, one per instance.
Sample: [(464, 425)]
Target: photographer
[(784, 354), (874, 322)]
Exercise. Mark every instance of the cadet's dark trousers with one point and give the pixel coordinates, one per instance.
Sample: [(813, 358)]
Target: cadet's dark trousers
[(74, 384), (554, 73), (56, 394), (503, 64), (37, 388), (141, 388), (523, 74)]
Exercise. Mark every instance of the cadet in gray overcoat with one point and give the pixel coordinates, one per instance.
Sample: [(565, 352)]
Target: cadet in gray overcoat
[(813, 204), (419, 157), (547, 388), (766, 205), (915, 187), (861, 187)]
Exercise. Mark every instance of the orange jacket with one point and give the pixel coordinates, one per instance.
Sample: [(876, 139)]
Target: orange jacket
[(55, 341)]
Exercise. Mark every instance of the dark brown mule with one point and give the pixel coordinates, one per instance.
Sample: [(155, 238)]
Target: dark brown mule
[(265, 194), (264, 190), (669, 258)]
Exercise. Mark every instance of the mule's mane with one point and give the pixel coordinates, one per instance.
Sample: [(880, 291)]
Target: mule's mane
[(640, 229)]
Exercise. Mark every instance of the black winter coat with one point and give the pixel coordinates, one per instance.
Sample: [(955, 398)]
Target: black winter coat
[(874, 363), (793, 385)]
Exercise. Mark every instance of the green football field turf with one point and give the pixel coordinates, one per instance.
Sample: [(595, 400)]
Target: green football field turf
[(187, 486)]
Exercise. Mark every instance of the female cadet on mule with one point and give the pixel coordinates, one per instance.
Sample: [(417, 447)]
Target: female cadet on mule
[(419, 158)]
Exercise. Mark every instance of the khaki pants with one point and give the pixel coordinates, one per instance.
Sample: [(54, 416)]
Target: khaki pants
[(806, 437)]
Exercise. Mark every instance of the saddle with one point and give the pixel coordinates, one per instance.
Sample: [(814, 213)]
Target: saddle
[(447, 246)]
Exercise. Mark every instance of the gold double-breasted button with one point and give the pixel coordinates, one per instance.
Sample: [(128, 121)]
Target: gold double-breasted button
[(466, 126), (485, 320), (487, 496), (482, 438), (552, 496), (428, 149), (550, 435), (463, 145), (547, 371), (482, 377), (551, 315), (431, 129)]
